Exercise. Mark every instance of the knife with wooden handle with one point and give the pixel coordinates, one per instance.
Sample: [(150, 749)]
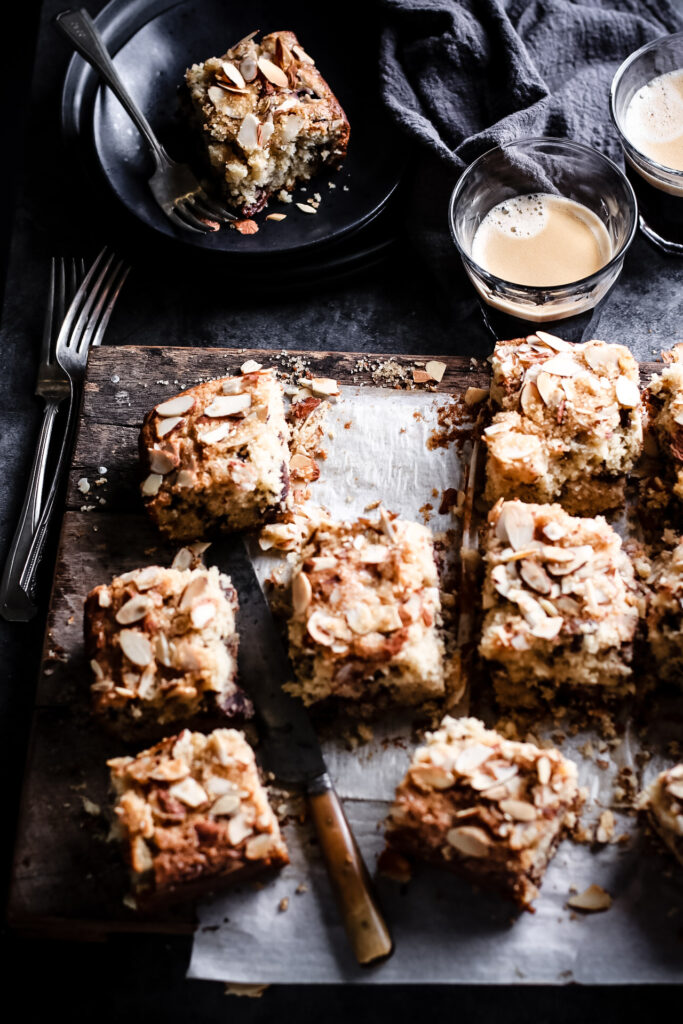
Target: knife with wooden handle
[(290, 749)]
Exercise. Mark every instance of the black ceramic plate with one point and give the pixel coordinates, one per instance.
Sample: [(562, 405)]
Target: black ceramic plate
[(154, 41)]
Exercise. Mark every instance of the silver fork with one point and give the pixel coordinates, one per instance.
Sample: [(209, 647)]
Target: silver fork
[(173, 185), (84, 325), (52, 385)]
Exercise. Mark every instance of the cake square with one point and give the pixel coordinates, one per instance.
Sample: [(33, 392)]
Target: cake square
[(267, 117), (664, 402), (364, 627), (215, 458), (490, 809), (191, 814), (662, 803), (561, 604), (163, 646), (567, 424), (664, 617)]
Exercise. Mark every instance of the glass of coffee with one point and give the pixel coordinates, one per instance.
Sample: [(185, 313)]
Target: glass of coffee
[(542, 226), (646, 102)]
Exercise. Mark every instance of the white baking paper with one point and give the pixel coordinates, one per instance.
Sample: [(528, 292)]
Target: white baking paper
[(444, 931)]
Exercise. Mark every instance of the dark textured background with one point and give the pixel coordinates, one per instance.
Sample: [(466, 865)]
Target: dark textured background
[(167, 300)]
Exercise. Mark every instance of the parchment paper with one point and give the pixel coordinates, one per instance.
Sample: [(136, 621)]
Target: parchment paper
[(444, 931)]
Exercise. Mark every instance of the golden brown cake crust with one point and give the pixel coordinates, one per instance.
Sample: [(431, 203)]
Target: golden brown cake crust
[(490, 809), (269, 119), (191, 814), (215, 458), (163, 647), (567, 424)]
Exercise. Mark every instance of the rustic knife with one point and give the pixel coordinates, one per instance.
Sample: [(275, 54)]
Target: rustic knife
[(291, 750)]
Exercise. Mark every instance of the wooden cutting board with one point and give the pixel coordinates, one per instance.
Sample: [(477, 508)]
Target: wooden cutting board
[(67, 879)]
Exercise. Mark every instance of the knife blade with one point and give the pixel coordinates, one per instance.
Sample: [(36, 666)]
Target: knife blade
[(291, 750), (290, 747)]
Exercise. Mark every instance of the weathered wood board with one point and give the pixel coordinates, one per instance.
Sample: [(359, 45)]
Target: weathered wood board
[(67, 879)]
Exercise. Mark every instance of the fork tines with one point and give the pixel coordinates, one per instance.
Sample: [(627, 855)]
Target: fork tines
[(197, 212), (88, 315)]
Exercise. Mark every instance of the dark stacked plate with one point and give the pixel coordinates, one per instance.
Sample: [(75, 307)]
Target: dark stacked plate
[(153, 41)]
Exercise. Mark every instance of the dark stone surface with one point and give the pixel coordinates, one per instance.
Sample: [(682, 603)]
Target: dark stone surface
[(174, 297)]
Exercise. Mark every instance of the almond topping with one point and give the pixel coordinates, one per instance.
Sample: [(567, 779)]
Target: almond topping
[(301, 592), (303, 467), (165, 427), (248, 69), (472, 757), (238, 829), (202, 614), (175, 406), (251, 366), (228, 405), (151, 484), (248, 133), (305, 208), (534, 576), (259, 847), (218, 433), (520, 810), (135, 646), (543, 770), (302, 55), (134, 610), (273, 73), (231, 72), (515, 524), (276, 216), (161, 461), (627, 393), (562, 366), (547, 388), (227, 804), (469, 840), (189, 791), (558, 344)]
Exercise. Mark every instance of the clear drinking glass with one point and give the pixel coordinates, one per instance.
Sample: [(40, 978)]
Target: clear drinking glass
[(559, 167), (659, 189)]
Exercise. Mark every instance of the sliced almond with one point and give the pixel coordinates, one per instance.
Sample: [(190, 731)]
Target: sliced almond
[(432, 776), (520, 810), (557, 344), (194, 590), (151, 484), (421, 376), (473, 396), (259, 847), (175, 406), (303, 467), (592, 900), (675, 789), (535, 576), (233, 74), (160, 461), (165, 426), (273, 73), (302, 55), (189, 792), (322, 387), (305, 208), (302, 592), (238, 829), (436, 369), (469, 840), (219, 98), (529, 397), (627, 392), (218, 433), (472, 757), (228, 405), (325, 629), (136, 647), (248, 69), (134, 610), (276, 216), (251, 366), (373, 554), (248, 133), (543, 770), (515, 525), (202, 614), (554, 531), (547, 388), (562, 366), (227, 805), (548, 628)]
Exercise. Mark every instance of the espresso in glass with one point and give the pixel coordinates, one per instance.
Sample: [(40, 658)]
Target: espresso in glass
[(647, 109), (542, 226)]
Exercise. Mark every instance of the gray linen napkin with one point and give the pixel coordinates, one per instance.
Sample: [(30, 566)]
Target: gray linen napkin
[(460, 76)]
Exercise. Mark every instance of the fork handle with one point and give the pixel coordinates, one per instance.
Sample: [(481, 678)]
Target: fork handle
[(15, 603), (81, 30), (27, 577)]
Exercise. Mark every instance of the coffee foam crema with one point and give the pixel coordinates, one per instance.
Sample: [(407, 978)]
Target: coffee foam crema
[(541, 240), (653, 124)]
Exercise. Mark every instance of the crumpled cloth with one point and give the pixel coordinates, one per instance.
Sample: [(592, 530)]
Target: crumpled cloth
[(460, 76)]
